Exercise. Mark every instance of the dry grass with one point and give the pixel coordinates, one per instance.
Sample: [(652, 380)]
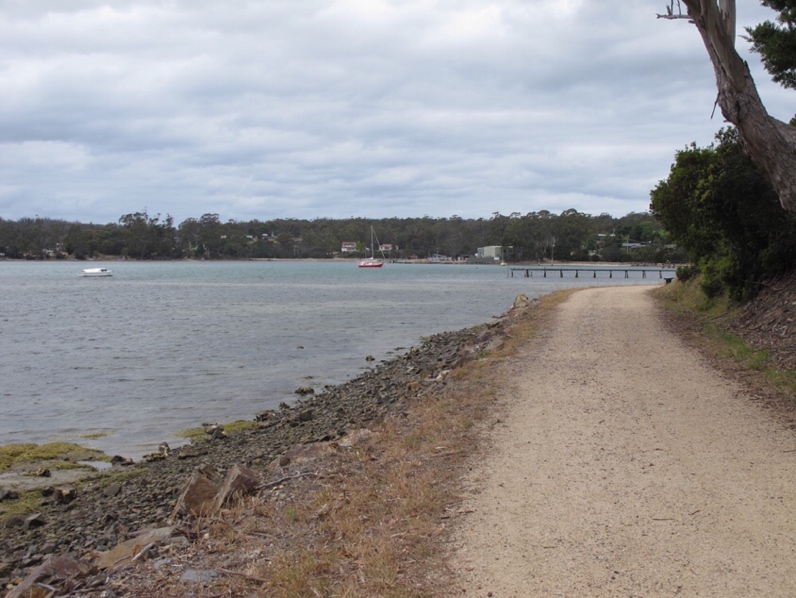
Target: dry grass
[(372, 520), (705, 323)]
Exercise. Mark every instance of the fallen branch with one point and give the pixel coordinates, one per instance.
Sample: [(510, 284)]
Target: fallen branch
[(142, 552)]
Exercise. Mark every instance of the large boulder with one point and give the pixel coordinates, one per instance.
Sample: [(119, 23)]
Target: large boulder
[(240, 481), (199, 494)]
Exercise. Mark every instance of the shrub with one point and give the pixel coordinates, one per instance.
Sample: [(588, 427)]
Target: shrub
[(687, 272)]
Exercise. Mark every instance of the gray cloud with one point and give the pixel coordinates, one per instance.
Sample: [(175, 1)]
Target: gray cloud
[(347, 108)]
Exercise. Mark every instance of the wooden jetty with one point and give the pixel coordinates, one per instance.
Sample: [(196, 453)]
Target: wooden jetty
[(666, 274)]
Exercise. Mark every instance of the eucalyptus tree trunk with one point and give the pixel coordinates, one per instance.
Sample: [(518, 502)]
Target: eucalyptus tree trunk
[(770, 143)]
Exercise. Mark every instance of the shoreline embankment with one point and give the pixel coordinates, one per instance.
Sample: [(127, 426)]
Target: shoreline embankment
[(134, 496)]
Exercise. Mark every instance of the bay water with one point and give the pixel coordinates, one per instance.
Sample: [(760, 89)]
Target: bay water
[(124, 363)]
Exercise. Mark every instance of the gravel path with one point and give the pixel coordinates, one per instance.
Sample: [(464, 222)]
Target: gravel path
[(624, 465)]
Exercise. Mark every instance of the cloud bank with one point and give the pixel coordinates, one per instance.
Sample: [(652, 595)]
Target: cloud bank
[(372, 108)]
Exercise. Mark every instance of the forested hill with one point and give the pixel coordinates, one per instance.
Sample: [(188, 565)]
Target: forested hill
[(571, 235)]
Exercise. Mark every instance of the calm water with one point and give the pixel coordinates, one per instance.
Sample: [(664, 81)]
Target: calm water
[(161, 347)]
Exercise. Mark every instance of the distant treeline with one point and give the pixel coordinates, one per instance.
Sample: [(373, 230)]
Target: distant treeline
[(571, 235)]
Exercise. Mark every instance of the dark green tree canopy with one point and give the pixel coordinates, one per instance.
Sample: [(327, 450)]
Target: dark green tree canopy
[(542, 235), (776, 42), (718, 206)]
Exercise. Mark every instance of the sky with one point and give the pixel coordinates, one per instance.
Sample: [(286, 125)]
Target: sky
[(263, 109)]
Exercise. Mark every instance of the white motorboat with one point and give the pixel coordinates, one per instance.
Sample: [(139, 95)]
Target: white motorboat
[(97, 272)]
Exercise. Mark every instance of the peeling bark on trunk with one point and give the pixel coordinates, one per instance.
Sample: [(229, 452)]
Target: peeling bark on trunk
[(770, 143)]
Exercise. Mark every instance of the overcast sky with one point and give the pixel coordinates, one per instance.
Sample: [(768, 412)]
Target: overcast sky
[(336, 108)]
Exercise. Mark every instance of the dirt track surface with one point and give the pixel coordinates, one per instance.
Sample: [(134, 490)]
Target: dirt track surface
[(624, 465)]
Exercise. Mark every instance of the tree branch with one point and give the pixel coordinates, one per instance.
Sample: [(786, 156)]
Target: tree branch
[(671, 15), (769, 142)]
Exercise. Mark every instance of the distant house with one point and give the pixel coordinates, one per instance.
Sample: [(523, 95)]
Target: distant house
[(487, 255), (491, 251), (349, 247), (386, 247)]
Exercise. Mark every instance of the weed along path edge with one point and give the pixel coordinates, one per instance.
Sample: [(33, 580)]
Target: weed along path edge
[(622, 464)]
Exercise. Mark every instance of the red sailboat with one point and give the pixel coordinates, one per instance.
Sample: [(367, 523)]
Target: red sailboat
[(372, 261)]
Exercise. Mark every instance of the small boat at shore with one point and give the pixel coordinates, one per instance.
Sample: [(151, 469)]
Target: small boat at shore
[(96, 272)]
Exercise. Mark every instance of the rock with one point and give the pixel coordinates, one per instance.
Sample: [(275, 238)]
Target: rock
[(64, 494), (199, 493), (266, 416), (215, 431), (128, 549), (31, 560), (370, 358), (112, 490), (160, 454), (304, 390), (119, 460), (35, 520), (199, 575), (14, 521), (8, 495), (56, 570), (355, 438), (302, 453), (239, 481), (521, 301), (187, 452), (206, 493)]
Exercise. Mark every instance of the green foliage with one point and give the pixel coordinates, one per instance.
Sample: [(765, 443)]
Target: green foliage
[(720, 209), (144, 237), (776, 42), (714, 274), (686, 272), (572, 235)]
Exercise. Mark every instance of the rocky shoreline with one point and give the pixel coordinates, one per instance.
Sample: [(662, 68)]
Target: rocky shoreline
[(80, 521)]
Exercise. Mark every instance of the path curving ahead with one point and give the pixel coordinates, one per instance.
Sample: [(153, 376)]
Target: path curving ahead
[(624, 465)]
